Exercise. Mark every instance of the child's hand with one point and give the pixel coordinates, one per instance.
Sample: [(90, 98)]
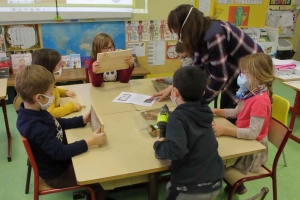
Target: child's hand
[(129, 60), (96, 67), (86, 117), (70, 94), (98, 137), (162, 139), (218, 129), (160, 79), (78, 106), (213, 110)]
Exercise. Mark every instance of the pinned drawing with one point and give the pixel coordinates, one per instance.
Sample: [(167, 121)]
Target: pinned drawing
[(239, 15), (2, 44), (22, 37)]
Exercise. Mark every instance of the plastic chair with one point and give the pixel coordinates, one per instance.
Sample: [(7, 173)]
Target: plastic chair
[(16, 103), (278, 135), (280, 110), (40, 187), (260, 196)]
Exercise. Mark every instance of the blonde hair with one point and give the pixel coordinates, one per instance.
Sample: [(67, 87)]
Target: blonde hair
[(33, 80), (100, 41), (260, 68)]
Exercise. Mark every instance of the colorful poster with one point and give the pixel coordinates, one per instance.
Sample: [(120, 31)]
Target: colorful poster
[(153, 30), (280, 2), (137, 31), (171, 53), (239, 15)]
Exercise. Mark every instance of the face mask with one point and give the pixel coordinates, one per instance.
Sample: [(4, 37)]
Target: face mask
[(184, 23), (57, 73), (241, 80), (174, 100), (188, 61), (48, 104)]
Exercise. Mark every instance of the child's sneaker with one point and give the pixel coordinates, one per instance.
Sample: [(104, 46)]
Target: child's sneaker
[(240, 190)]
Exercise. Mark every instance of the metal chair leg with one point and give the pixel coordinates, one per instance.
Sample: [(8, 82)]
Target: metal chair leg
[(284, 159), (28, 177)]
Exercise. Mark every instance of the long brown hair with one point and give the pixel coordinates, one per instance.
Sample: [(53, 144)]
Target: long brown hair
[(47, 58), (193, 31), (260, 68), (100, 41)]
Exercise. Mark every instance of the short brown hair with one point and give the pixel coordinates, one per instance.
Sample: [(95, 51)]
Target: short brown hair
[(193, 31), (47, 58), (33, 80), (100, 41)]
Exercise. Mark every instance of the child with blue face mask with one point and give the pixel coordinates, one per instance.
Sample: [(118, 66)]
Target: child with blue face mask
[(242, 82)]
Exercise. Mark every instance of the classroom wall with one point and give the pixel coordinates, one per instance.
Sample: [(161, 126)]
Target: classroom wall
[(159, 10), (296, 38)]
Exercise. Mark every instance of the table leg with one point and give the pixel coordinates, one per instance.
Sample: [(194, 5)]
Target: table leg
[(3, 105), (294, 114), (153, 186)]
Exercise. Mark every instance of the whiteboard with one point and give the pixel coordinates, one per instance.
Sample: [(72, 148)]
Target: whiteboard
[(53, 10)]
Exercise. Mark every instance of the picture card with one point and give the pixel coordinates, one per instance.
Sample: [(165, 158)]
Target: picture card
[(114, 60)]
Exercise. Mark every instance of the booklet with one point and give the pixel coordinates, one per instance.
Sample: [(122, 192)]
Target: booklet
[(138, 99)]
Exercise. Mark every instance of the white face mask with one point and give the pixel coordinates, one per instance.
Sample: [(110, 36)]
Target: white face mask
[(48, 104), (184, 23), (57, 73), (174, 100), (188, 61)]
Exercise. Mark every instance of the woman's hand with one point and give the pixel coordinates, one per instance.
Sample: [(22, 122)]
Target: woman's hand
[(163, 94), (129, 60), (96, 67), (70, 94), (160, 79)]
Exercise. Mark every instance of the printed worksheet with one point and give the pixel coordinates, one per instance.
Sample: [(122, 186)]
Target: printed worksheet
[(137, 99)]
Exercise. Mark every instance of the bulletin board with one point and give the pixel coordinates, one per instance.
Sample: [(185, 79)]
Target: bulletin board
[(158, 10), (240, 14), (275, 15)]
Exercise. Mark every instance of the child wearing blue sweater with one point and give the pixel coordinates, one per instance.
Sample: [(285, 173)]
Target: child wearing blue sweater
[(44, 133)]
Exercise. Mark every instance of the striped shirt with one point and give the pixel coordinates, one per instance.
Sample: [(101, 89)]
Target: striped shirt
[(223, 46)]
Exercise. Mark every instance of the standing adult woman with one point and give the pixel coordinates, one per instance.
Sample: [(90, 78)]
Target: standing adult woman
[(217, 47)]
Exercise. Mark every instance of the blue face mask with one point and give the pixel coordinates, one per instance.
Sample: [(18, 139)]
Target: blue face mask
[(243, 82)]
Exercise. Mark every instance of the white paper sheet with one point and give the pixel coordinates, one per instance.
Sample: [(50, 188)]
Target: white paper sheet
[(137, 99), (204, 6), (156, 53), (281, 62), (137, 48)]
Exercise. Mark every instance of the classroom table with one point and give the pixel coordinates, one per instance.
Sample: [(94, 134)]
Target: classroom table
[(80, 75), (295, 110), (128, 156), (3, 87)]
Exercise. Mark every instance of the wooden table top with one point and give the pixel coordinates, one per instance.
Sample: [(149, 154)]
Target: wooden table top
[(79, 75), (129, 150), (67, 75), (140, 71), (293, 84), (3, 88)]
